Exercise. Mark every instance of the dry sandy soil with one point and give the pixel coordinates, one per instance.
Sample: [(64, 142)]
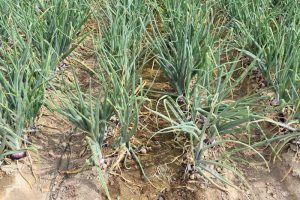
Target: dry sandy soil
[(60, 150)]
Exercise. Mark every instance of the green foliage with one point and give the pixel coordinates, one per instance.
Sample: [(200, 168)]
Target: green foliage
[(59, 26), (208, 115), (115, 76), (122, 52), (88, 109), (271, 32), (35, 36), (22, 88), (181, 39)]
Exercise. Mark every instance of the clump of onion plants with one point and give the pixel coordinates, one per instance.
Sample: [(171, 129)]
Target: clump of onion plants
[(122, 52), (35, 36), (180, 39), (56, 25), (89, 109), (5, 16), (270, 32), (59, 27), (116, 86), (211, 113), (22, 87)]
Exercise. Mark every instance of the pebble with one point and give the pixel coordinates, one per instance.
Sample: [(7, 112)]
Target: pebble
[(158, 146), (94, 169), (111, 182), (161, 198), (295, 174), (149, 148), (192, 176), (285, 194), (64, 144), (219, 169), (294, 147), (51, 153), (143, 150), (198, 176), (104, 166), (275, 102), (102, 161)]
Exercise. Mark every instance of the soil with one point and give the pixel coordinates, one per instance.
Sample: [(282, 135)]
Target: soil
[(61, 149)]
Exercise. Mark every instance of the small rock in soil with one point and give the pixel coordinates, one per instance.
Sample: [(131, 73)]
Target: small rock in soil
[(149, 148), (219, 169), (51, 154), (64, 145), (275, 102), (104, 166), (294, 147), (111, 182), (102, 161), (198, 176), (143, 150), (192, 176), (285, 194)]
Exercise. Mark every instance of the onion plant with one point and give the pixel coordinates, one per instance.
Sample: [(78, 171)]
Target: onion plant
[(122, 43), (59, 27), (180, 38), (89, 110), (122, 52), (22, 89), (35, 36), (211, 114), (270, 31), (6, 13), (116, 87), (56, 25)]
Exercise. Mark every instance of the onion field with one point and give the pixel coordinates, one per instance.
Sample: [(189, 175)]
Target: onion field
[(150, 99)]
